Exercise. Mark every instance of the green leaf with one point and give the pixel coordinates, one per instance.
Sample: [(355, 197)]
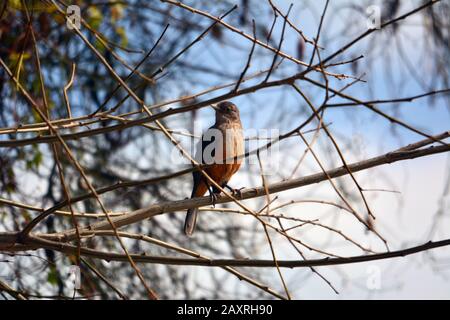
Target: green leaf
[(52, 276), (17, 59), (26, 215), (35, 5), (95, 17), (117, 12), (35, 161), (123, 36)]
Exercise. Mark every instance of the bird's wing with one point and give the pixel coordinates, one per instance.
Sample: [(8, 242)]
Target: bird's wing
[(208, 138), (210, 146)]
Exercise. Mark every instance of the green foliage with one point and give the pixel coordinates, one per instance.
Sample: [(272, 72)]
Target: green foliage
[(123, 36), (35, 5), (52, 276), (36, 159), (95, 17)]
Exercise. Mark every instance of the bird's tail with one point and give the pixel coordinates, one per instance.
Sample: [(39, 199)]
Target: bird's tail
[(189, 223)]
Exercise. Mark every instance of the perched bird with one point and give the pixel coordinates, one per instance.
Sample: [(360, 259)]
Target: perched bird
[(219, 147)]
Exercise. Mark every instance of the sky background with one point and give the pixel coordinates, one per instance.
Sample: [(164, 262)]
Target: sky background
[(404, 218)]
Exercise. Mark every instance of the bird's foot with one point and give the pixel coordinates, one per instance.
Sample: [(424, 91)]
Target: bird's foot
[(213, 196), (237, 192)]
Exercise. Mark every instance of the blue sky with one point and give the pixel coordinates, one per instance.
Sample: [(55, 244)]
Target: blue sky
[(418, 113), (404, 218)]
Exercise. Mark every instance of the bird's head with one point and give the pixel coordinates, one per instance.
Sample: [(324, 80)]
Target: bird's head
[(226, 111)]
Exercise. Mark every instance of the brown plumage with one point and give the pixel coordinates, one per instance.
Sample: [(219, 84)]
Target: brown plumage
[(218, 147)]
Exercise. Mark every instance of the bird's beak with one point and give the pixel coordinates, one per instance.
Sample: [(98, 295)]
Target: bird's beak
[(215, 107)]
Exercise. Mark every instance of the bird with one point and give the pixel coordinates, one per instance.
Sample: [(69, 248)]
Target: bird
[(221, 148)]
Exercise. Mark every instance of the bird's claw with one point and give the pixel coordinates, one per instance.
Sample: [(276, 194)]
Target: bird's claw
[(213, 197), (235, 191), (238, 191)]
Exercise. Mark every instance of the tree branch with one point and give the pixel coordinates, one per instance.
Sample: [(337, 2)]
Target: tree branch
[(171, 206), (35, 242)]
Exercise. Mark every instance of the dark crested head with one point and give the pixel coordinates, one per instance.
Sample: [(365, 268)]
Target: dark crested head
[(227, 110)]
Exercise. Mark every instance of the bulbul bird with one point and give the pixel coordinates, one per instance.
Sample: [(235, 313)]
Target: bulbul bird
[(220, 147)]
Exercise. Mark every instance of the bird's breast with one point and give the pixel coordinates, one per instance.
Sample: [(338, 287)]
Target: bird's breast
[(232, 145)]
